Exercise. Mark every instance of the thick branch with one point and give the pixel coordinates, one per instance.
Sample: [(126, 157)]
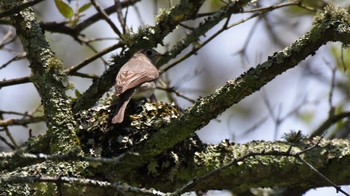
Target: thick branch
[(332, 25), (47, 76), (253, 165), (237, 167), (19, 7)]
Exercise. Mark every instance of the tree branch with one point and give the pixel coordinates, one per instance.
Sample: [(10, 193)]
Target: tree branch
[(167, 23), (47, 76), (19, 7), (237, 167), (331, 25)]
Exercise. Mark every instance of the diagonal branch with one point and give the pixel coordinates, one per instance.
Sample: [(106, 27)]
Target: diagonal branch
[(47, 76), (96, 17), (167, 23), (331, 25), (106, 18)]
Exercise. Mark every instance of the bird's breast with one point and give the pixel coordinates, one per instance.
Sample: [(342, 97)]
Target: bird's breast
[(145, 90)]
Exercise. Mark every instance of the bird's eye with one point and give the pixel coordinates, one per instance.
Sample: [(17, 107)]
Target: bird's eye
[(149, 53)]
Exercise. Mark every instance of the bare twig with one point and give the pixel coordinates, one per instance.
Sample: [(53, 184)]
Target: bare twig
[(16, 58), (22, 122), (196, 49), (121, 18), (329, 122), (325, 178), (9, 37), (137, 11), (86, 23), (15, 81), (74, 68), (11, 146), (106, 18), (71, 71), (172, 90)]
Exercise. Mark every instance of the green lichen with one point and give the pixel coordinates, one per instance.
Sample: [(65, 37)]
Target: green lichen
[(332, 15), (48, 168)]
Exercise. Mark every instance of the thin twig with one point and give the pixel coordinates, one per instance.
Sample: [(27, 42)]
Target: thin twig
[(74, 68), (22, 122), (84, 75), (15, 81), (96, 17), (106, 18), (11, 146), (172, 90), (16, 58), (337, 188), (121, 18)]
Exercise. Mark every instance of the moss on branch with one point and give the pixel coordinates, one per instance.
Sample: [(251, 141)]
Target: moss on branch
[(48, 77)]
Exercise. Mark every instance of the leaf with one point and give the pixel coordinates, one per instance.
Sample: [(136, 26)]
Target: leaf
[(84, 7), (215, 5), (64, 9), (307, 117), (77, 93), (341, 58)]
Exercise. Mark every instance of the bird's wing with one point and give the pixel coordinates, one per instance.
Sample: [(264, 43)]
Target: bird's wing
[(134, 73)]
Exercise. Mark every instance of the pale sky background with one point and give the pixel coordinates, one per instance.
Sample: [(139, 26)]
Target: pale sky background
[(200, 75)]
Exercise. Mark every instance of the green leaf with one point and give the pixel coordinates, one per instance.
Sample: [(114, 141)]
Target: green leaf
[(341, 57), (77, 94), (215, 5), (64, 9), (307, 117), (84, 7)]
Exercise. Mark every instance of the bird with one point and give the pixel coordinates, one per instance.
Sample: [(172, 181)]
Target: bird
[(135, 80)]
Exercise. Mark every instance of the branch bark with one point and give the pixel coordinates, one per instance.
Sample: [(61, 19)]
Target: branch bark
[(167, 23), (252, 164), (47, 76), (237, 167), (331, 25)]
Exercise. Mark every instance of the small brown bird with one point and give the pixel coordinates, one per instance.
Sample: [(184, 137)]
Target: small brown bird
[(136, 79)]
